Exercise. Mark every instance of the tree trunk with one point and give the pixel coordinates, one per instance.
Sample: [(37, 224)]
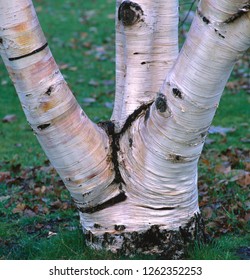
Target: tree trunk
[(134, 178)]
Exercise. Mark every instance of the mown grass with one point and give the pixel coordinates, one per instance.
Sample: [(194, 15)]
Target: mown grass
[(81, 37)]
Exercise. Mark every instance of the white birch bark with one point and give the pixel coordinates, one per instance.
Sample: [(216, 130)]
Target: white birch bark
[(151, 160), (145, 51), (76, 147), (159, 154)]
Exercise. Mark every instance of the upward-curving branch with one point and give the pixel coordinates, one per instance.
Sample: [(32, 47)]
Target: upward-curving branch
[(76, 147)]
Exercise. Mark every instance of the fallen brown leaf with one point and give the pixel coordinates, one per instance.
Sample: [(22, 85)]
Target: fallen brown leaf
[(247, 217), (223, 168), (244, 180), (4, 176), (19, 208), (207, 212)]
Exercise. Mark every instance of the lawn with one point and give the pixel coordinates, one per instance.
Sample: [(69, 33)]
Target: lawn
[(37, 217)]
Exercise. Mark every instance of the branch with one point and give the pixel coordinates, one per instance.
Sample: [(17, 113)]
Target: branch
[(146, 48), (166, 142), (219, 35), (76, 147), (197, 80), (216, 40)]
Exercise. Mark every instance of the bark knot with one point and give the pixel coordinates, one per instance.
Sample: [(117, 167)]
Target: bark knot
[(177, 93), (161, 103), (129, 13), (49, 91)]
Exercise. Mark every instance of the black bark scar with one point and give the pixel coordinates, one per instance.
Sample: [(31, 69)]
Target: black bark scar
[(129, 13), (29, 54), (245, 9), (117, 199), (161, 103), (205, 19), (159, 209), (49, 90), (131, 118), (109, 128), (177, 93), (43, 126)]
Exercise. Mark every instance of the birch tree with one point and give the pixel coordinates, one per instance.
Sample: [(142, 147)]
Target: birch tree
[(134, 177)]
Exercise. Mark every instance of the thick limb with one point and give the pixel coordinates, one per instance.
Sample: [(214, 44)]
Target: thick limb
[(146, 48), (76, 147)]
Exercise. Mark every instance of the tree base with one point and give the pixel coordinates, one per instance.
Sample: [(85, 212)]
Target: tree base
[(161, 243)]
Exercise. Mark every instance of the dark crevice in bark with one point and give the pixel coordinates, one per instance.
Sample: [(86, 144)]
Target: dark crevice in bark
[(131, 118), (29, 54), (43, 126), (130, 13), (114, 200), (109, 128), (177, 93), (162, 243), (97, 226), (147, 115), (130, 142), (205, 19), (85, 194), (245, 9), (176, 158), (220, 35), (119, 227), (158, 209), (49, 90), (161, 103), (114, 137), (239, 14)]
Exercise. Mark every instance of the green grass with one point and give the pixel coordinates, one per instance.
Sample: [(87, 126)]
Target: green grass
[(81, 37), (224, 248)]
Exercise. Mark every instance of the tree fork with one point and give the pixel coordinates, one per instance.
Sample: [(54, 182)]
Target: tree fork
[(109, 128), (134, 179)]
